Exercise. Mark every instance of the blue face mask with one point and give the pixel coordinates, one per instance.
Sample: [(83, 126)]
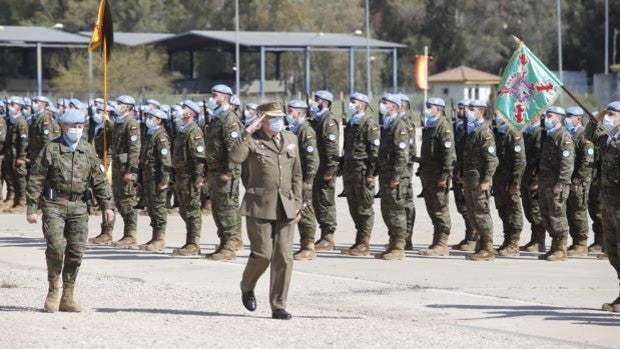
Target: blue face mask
[(74, 134), (119, 119), (609, 123), (471, 116), (150, 125), (290, 119), (427, 113), (387, 121), (549, 124), (569, 126), (276, 124)]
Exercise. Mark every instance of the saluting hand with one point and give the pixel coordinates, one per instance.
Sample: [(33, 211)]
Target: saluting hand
[(255, 126)]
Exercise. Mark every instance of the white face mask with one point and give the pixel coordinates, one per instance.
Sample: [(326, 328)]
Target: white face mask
[(212, 103), (74, 134), (352, 108), (383, 108)]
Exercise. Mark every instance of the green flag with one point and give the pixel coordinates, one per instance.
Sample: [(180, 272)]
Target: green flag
[(526, 90)]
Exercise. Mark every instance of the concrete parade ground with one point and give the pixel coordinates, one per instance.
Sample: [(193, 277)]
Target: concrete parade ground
[(136, 299)]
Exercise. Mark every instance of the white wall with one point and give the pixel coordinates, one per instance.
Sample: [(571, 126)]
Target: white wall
[(461, 91)]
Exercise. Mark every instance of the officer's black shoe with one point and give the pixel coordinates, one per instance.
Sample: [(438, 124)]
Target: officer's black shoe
[(281, 314), (249, 300)]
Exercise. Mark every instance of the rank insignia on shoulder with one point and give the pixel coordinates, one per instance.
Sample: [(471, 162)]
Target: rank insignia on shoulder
[(309, 137), (403, 132), (488, 138), (331, 124), (374, 128), (197, 137), (133, 127)]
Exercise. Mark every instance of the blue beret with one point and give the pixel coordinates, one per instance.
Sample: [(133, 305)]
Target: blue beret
[(192, 106), (251, 106), (464, 103), (234, 100), (99, 100), (478, 103), (360, 97), (17, 100), (404, 98), (72, 117), (27, 100), (41, 99), (165, 108), (394, 98), (222, 89), (154, 102), (297, 104), (326, 95), (556, 110), (436, 101), (574, 111), (126, 100), (60, 101), (160, 114), (615, 106), (75, 103)]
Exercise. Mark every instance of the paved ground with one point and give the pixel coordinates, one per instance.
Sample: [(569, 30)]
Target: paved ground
[(137, 299)]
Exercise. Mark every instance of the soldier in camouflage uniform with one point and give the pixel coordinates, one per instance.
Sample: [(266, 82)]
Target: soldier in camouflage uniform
[(188, 160), (16, 153), (223, 176), (460, 132), (156, 166), (392, 163), (595, 208), (361, 147), (479, 165), (610, 184), (44, 128), (506, 183), (530, 194), (125, 161), (327, 130), (576, 205), (58, 183), (3, 129), (437, 158), (407, 116), (554, 178), (309, 158)]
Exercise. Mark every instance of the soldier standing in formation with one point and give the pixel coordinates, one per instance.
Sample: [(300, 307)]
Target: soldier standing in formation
[(529, 193), (309, 157), (361, 147), (16, 153), (407, 116), (436, 166), (479, 165), (62, 172)]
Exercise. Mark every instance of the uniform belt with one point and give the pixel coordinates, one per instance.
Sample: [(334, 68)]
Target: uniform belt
[(71, 196)]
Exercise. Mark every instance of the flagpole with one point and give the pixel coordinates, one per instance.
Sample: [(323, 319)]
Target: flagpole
[(426, 74), (105, 103)]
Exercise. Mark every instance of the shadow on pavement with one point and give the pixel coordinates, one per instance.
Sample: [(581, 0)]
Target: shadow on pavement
[(205, 313), (16, 241), (582, 316), (7, 308)]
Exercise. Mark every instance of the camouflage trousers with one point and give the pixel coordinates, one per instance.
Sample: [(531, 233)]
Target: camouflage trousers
[(509, 208), (531, 206), (125, 198), (324, 202), (611, 225), (65, 228), (18, 178), (155, 202), (595, 209), (437, 204), (189, 205), (577, 213), (393, 207), (360, 197), (478, 206), (224, 204), (410, 206), (461, 206), (553, 208), (307, 223)]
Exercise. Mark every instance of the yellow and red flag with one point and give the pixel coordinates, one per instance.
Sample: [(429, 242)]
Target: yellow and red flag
[(103, 32), (421, 71)]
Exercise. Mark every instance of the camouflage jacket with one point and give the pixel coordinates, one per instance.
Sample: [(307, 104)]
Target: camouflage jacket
[(393, 155), (479, 153), (188, 152), (584, 158), (557, 158), (221, 135), (307, 152), (67, 172), (155, 161), (437, 155), (42, 131), (327, 131), (17, 139), (361, 147), (126, 144), (511, 155)]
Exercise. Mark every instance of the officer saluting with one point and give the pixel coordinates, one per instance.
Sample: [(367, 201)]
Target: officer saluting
[(63, 170), (271, 204)]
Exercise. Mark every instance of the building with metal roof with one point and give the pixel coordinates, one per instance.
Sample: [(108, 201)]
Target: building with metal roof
[(463, 82), (134, 39)]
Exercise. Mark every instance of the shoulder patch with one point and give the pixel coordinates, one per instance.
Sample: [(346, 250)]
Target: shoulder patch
[(374, 128), (566, 153), (197, 137), (133, 127), (309, 137), (403, 132)]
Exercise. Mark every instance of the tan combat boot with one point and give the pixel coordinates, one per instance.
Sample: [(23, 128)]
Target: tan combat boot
[(484, 253), (511, 246), (128, 240), (578, 249), (105, 238), (237, 241), (613, 306), (225, 252), (409, 241), (67, 304), (157, 243), (596, 247), (557, 251), (537, 242), (52, 300), (396, 251), (438, 248), (470, 241), (10, 197), (19, 206), (206, 208), (325, 243), (361, 246), (190, 248), (306, 250)]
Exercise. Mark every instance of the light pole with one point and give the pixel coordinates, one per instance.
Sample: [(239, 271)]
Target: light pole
[(237, 70), (607, 37), (368, 51), (559, 9), (616, 33)]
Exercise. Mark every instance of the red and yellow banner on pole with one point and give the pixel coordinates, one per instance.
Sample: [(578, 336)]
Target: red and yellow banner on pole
[(103, 35), (421, 71)]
